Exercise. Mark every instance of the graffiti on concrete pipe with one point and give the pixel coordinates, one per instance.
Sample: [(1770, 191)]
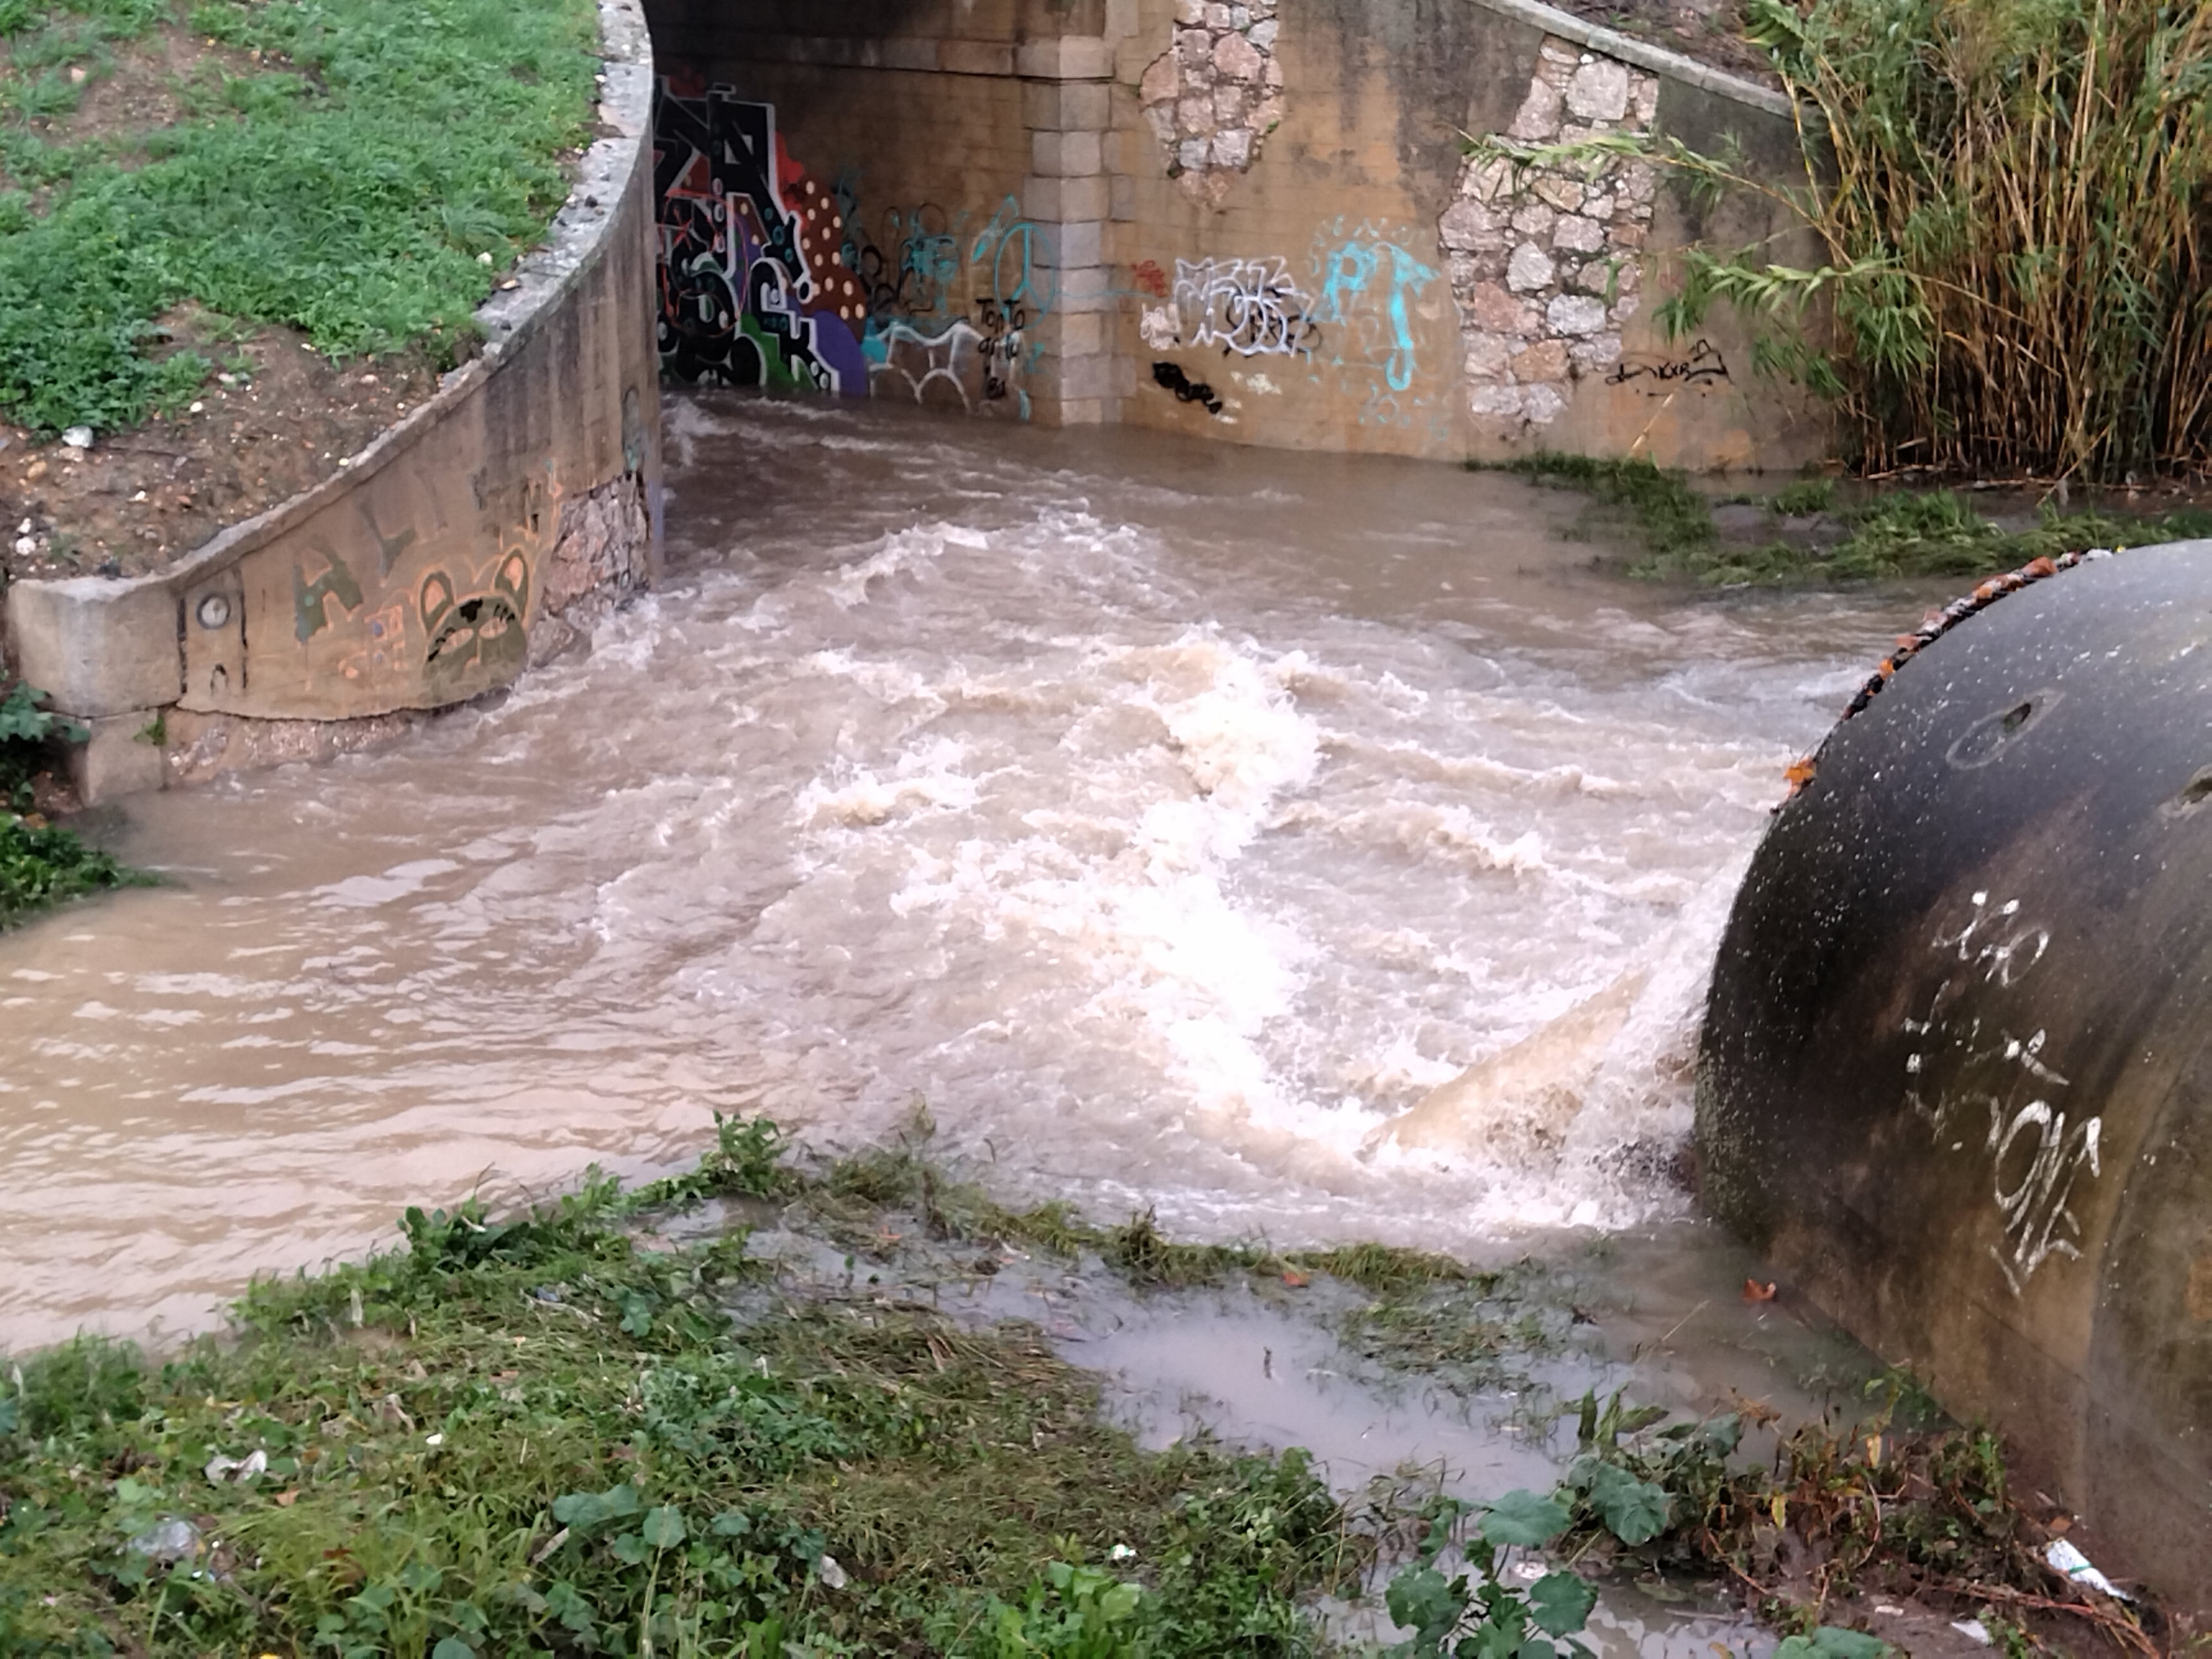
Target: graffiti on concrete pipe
[(2037, 1154)]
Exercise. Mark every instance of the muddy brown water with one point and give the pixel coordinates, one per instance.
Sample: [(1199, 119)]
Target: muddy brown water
[(1169, 819)]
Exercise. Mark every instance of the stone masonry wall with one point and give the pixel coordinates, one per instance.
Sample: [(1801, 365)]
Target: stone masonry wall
[(1546, 262), (1215, 94)]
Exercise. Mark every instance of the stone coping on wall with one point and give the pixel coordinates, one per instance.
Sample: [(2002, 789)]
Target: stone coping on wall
[(102, 661), (1626, 49)]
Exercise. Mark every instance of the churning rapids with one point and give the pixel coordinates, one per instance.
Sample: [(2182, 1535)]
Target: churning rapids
[(1172, 820)]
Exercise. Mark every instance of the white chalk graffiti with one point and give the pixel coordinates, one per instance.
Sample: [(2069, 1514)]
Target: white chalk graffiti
[(1251, 307), (2036, 1155)]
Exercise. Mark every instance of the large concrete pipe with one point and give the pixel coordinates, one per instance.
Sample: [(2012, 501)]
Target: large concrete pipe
[(1956, 1078)]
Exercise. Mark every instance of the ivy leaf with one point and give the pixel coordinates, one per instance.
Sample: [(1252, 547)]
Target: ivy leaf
[(663, 1527), (588, 1511), (1523, 1518), (1634, 1511), (451, 1647), (637, 1313), (1561, 1602), (628, 1548)]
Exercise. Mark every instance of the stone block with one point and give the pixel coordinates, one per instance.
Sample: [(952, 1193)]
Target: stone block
[(1071, 334), (118, 761), (1488, 357), (1538, 116), (1163, 80), (1598, 90), (1534, 219), (974, 57), (1085, 377), (1490, 307), (1064, 57), (96, 646), (1062, 245), (1091, 289), (921, 57), (1122, 18), (1121, 198), (1064, 154), (1238, 59), (1493, 399), (1066, 105), (1049, 410), (1066, 199), (1233, 148), (1529, 269), (1194, 116), (1546, 360), (1543, 404), (1575, 313), (1578, 235)]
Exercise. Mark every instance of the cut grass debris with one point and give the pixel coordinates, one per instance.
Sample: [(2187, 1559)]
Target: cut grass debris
[(1903, 534), (340, 174)]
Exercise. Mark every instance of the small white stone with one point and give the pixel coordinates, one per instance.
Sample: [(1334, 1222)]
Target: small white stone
[(1529, 269), (1193, 154), (78, 437), (1263, 35), (484, 258), (1575, 313), (1534, 220), (1494, 400), (196, 408), (26, 545)]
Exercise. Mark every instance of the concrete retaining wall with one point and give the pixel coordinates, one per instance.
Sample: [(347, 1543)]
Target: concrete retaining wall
[(1236, 221), (469, 541)]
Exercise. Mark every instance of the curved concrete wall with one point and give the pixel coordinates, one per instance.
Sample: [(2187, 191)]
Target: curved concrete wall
[(1956, 1077), (462, 544), (1253, 221)]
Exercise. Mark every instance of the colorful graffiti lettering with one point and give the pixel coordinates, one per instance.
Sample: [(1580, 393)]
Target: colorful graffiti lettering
[(754, 288), (483, 630)]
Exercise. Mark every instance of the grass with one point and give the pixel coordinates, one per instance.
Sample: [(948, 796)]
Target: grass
[(1899, 534), (341, 165), (536, 1434)]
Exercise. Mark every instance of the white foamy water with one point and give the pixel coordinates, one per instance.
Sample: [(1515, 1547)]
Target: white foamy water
[(1168, 822)]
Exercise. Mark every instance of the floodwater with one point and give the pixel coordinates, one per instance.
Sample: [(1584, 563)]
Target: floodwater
[(1171, 820)]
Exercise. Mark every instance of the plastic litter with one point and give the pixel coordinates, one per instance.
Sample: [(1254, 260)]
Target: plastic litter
[(1973, 1630), (237, 1471), (168, 1540), (78, 437), (829, 1572), (2067, 1560)]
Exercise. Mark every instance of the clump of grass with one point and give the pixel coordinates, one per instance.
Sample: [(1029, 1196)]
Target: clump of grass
[(1902, 533), (530, 1433), (343, 185), (1660, 507)]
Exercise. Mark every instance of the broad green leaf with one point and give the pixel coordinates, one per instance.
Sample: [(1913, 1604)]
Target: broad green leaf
[(663, 1527), (1634, 1511), (1523, 1518), (451, 1647), (1423, 1600), (1834, 1642), (1561, 1602)]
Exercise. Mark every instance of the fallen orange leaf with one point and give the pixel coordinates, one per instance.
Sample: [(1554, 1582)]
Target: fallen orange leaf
[(1801, 772), (286, 1499), (1755, 1291), (1294, 1278)]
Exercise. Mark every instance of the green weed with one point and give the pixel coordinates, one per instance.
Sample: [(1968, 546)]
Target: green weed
[(44, 867)]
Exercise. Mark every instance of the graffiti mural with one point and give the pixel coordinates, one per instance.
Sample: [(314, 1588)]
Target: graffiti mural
[(1379, 305), (1250, 307), (952, 309), (754, 287)]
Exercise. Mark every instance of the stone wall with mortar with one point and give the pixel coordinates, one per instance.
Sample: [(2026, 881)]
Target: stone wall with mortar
[(474, 539)]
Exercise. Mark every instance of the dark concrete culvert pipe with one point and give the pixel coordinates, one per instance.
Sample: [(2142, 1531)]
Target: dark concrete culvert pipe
[(1956, 1078)]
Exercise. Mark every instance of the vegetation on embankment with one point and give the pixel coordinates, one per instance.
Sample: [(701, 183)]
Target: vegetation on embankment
[(1806, 532), (358, 170), (40, 865), (562, 1432), (2009, 205)]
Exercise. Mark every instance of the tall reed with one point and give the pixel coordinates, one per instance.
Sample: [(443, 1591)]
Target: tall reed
[(2013, 198)]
